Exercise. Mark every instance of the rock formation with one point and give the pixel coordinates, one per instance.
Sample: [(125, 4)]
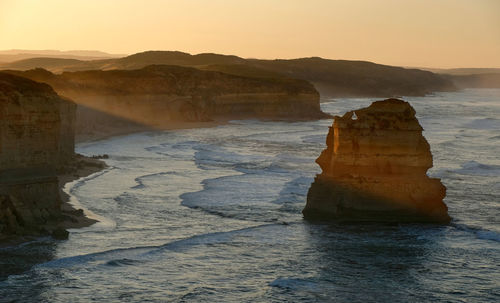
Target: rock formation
[(160, 95), (374, 169), (36, 139)]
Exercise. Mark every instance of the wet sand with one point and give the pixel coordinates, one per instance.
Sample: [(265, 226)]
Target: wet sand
[(80, 168)]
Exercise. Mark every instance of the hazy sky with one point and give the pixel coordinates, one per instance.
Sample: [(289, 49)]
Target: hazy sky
[(427, 33)]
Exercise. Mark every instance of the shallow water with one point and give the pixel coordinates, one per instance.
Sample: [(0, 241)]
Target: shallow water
[(211, 215)]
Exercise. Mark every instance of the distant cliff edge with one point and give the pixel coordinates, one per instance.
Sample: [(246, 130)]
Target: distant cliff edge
[(332, 78), (160, 95)]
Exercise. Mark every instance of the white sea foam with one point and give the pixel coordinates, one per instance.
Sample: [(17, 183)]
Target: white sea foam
[(214, 215)]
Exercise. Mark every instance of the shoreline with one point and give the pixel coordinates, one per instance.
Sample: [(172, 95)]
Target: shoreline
[(85, 166), (81, 167), (71, 217)]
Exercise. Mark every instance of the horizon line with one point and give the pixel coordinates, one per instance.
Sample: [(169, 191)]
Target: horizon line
[(123, 55)]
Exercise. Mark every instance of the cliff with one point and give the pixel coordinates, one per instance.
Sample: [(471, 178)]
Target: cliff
[(333, 78), (36, 140), (374, 169), (158, 95), (345, 78), (37, 126)]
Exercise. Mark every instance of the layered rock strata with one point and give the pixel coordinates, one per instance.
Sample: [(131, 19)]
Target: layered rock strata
[(36, 140), (374, 169), (160, 95)]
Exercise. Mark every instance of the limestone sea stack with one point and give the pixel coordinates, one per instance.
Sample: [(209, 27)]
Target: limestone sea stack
[(374, 169)]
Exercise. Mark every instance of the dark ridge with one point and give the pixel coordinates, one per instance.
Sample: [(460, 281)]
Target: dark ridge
[(10, 83), (165, 79), (331, 77)]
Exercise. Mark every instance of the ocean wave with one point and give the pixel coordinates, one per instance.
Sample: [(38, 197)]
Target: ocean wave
[(294, 284), (478, 169), (123, 262), (83, 260), (73, 186), (140, 254), (317, 139), (486, 123), (294, 191), (210, 157), (480, 233), (140, 180), (277, 184), (488, 235), (183, 149), (231, 196)]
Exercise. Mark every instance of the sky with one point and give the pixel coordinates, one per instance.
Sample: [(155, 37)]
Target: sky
[(417, 33)]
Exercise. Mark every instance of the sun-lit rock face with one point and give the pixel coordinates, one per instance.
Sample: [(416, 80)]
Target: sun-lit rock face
[(36, 139), (159, 95), (374, 169)]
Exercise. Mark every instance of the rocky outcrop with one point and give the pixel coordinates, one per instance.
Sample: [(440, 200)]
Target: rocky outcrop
[(374, 169), (36, 140)]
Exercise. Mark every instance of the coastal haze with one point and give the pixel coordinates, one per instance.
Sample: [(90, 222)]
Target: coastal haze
[(249, 151), (418, 33)]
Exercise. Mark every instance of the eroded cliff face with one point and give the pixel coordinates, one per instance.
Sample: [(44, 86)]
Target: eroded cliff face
[(159, 95), (36, 139), (374, 169)]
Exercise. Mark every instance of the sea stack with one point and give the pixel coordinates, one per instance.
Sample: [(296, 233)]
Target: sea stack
[(374, 169)]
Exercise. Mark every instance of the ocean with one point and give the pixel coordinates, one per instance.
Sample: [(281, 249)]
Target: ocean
[(214, 215)]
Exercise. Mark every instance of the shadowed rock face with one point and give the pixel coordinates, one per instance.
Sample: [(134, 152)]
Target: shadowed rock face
[(374, 169), (36, 139)]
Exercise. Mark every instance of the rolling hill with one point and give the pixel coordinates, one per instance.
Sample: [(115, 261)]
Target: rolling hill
[(332, 78)]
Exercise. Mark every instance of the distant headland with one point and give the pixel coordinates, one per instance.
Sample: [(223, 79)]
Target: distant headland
[(332, 78)]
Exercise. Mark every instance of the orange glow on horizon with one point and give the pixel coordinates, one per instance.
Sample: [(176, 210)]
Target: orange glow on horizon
[(420, 33)]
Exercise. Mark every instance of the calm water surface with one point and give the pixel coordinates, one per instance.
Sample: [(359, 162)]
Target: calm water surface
[(214, 215)]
